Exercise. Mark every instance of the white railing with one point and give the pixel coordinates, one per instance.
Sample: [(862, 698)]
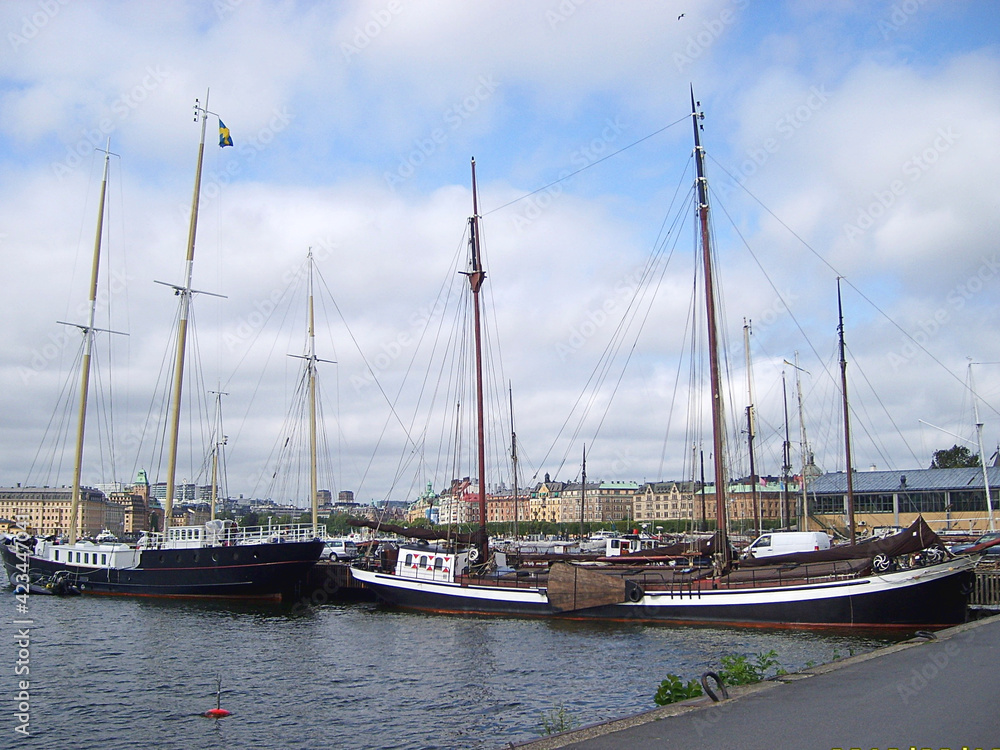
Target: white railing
[(219, 533)]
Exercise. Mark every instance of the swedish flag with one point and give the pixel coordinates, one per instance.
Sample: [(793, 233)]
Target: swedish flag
[(224, 137)]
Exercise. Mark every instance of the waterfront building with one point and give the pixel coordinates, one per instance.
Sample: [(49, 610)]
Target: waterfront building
[(45, 510), (666, 501), (544, 503), (948, 499), (570, 503), (500, 507), (616, 500), (459, 504)]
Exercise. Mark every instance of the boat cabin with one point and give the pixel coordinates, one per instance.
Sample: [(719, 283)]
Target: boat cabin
[(88, 555), (430, 563), (627, 544)]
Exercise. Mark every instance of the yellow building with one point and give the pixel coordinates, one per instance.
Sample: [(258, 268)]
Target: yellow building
[(45, 510)]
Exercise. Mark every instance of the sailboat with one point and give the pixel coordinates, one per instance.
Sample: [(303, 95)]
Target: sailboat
[(905, 582), (216, 560)]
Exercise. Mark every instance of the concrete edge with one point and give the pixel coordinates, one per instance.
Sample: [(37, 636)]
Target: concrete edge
[(563, 739)]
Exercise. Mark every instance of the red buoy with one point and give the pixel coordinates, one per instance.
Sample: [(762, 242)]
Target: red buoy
[(218, 712)]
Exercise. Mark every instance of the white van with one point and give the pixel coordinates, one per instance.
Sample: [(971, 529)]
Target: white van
[(787, 542), (340, 549)]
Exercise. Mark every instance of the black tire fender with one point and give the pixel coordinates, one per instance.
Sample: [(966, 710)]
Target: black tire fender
[(633, 592), (719, 683)]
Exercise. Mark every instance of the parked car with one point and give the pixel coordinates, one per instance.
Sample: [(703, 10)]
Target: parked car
[(339, 549), (993, 552)]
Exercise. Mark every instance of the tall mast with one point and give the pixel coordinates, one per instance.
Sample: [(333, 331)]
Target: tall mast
[(184, 292), (583, 491), (311, 368), (982, 453), (786, 460), (476, 277), (718, 425), (804, 445), (513, 453), (751, 431), (219, 441), (847, 417), (88, 343), (311, 371)]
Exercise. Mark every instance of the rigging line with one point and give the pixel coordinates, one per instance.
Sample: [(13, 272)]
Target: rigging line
[(629, 316), (887, 414), (771, 283), (648, 297), (446, 286), (294, 284), (611, 348), (652, 297), (688, 328), (581, 169), (852, 285)]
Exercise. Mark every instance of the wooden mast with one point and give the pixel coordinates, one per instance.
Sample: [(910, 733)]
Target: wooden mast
[(718, 425), (583, 492), (311, 370), (184, 292), (802, 517), (219, 441), (513, 453), (786, 460), (751, 430), (847, 417), (88, 343), (476, 277)]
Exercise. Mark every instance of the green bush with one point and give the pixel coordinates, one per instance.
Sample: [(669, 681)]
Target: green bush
[(557, 720), (740, 670), (672, 690)]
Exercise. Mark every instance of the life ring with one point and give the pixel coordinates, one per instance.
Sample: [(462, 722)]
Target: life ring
[(718, 681), (473, 554)]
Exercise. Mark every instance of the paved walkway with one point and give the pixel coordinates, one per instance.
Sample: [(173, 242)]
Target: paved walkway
[(940, 693)]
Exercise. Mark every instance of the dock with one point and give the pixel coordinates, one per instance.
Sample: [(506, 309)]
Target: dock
[(938, 690), (330, 581)]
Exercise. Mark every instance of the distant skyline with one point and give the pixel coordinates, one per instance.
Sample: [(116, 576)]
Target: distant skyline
[(852, 139)]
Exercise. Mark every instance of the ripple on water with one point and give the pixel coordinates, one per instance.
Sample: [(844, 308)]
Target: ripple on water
[(138, 674)]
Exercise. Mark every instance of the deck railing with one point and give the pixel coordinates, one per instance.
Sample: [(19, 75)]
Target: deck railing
[(231, 535)]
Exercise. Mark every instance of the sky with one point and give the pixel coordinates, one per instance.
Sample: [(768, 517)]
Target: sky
[(858, 140)]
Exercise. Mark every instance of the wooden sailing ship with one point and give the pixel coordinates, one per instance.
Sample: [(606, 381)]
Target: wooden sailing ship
[(909, 581)]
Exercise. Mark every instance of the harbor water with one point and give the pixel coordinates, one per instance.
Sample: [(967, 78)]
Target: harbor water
[(123, 673)]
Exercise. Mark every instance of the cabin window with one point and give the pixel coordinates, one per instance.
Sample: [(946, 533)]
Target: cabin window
[(104, 559), (86, 558), (423, 561), (438, 563), (56, 555), (409, 559)]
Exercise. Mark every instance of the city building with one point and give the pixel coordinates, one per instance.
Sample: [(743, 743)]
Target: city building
[(45, 510), (948, 499)]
